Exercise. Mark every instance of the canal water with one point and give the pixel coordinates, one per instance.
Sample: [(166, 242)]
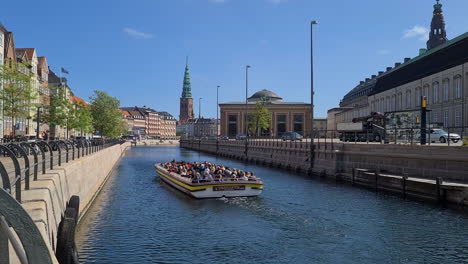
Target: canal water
[(139, 219)]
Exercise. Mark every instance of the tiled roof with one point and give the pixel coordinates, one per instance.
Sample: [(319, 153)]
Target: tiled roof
[(20, 54), (29, 52), (450, 54), (76, 99)]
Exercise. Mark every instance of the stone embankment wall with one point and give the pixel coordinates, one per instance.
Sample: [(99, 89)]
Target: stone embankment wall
[(406, 169), (46, 200)]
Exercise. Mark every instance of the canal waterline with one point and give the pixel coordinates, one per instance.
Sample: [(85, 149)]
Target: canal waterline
[(297, 219)]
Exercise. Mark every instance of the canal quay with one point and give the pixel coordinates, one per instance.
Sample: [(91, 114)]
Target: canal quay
[(297, 219)]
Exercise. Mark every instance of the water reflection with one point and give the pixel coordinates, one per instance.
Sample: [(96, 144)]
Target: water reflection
[(138, 219)]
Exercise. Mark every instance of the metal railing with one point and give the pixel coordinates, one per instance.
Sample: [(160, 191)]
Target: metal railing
[(454, 136), (22, 161)]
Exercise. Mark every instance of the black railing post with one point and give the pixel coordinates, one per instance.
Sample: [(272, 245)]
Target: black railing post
[(19, 149), (31, 148), (17, 171)]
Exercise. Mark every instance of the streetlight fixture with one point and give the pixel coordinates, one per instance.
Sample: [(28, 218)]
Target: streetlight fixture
[(312, 147)]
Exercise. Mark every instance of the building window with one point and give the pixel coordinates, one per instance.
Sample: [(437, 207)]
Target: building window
[(457, 87), (408, 99), (446, 90), (232, 125), (400, 101), (435, 90), (280, 124), (435, 117), (446, 117), (417, 97), (299, 124), (458, 118), (387, 105)]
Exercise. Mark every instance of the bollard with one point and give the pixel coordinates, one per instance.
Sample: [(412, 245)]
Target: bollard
[(439, 182), (376, 180), (404, 178)]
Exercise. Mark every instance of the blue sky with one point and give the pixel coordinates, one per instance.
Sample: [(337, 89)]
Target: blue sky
[(135, 49)]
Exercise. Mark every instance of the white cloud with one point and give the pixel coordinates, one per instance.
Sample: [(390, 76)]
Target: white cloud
[(422, 33), (137, 34)]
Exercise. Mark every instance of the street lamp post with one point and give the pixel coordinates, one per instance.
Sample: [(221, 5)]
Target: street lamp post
[(38, 121), (217, 111), (246, 99), (312, 147), (199, 107), (246, 108)]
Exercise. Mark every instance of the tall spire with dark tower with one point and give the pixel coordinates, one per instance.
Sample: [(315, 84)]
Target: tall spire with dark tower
[(186, 101), (438, 35)]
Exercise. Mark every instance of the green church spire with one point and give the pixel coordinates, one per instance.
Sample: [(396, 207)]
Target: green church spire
[(187, 89)]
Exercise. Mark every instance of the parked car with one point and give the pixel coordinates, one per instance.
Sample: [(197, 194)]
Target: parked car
[(293, 136), (224, 138), (241, 137), (440, 135)]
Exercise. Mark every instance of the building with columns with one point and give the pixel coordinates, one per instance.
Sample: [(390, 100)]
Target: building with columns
[(439, 73), (285, 116)]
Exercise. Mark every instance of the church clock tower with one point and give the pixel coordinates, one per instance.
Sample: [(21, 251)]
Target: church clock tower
[(438, 35), (186, 101)]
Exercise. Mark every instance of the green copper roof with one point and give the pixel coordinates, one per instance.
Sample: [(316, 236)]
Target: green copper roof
[(187, 89)]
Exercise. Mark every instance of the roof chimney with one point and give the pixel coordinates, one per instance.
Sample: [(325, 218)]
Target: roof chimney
[(389, 68), (397, 64), (362, 82), (373, 76), (367, 79), (380, 73), (407, 59)]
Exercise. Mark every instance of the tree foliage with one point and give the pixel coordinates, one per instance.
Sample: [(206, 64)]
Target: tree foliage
[(80, 117), (56, 112), (260, 119), (17, 95), (107, 119)]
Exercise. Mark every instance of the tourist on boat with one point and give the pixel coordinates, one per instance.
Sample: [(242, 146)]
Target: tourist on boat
[(207, 171)]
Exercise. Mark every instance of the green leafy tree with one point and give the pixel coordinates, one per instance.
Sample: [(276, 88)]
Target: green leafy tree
[(80, 117), (107, 119), (17, 94), (260, 119), (124, 127), (56, 112)]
